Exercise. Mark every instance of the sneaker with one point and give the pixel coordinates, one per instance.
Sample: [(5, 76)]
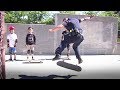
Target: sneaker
[(57, 57), (80, 61), (15, 59), (10, 59), (33, 58)]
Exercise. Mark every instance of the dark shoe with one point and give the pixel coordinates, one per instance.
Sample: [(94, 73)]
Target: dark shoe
[(57, 57), (15, 59), (10, 59), (33, 58), (80, 61)]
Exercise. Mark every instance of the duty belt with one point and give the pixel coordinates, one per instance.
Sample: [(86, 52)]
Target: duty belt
[(73, 32)]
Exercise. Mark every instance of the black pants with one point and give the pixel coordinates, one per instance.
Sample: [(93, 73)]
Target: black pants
[(76, 40)]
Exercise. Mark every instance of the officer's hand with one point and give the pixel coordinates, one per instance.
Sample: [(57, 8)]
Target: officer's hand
[(50, 30)]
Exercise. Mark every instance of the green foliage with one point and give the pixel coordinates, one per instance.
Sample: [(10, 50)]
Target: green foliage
[(27, 17), (49, 21), (67, 12), (108, 13), (91, 13)]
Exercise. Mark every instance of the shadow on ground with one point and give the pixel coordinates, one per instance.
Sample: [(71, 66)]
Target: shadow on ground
[(45, 77)]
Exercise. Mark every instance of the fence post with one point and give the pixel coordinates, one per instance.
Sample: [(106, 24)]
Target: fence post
[(2, 48)]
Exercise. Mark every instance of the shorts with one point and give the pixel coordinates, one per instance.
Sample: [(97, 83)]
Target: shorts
[(12, 50), (30, 47)]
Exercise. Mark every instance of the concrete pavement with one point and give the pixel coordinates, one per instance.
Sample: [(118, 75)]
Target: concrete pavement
[(93, 67)]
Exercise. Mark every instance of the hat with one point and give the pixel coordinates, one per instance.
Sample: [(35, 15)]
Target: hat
[(11, 28)]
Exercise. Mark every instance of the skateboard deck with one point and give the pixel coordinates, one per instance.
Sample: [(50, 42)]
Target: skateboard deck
[(32, 61), (8, 61), (56, 60), (14, 60), (69, 66)]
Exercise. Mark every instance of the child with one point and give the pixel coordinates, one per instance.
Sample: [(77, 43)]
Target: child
[(30, 42), (12, 42), (68, 45)]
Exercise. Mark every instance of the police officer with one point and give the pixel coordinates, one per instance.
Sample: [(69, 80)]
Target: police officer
[(74, 36)]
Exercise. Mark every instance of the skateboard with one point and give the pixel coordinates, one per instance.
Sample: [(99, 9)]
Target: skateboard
[(13, 60), (10, 60), (69, 66), (32, 61), (56, 60)]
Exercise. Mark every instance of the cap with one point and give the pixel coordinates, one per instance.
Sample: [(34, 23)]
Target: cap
[(11, 28)]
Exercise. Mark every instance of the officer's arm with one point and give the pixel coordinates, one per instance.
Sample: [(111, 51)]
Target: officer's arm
[(59, 27)]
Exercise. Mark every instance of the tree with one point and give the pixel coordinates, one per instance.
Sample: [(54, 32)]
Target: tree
[(91, 13), (14, 16), (108, 13), (25, 16), (67, 12)]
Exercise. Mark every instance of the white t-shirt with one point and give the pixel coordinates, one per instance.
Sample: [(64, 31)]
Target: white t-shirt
[(12, 38)]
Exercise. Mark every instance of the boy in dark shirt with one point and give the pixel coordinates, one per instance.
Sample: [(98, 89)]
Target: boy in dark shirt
[(30, 42)]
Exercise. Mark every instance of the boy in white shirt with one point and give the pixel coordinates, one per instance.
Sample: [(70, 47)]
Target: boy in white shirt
[(12, 42)]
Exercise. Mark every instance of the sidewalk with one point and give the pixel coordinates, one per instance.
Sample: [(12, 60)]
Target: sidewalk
[(93, 67)]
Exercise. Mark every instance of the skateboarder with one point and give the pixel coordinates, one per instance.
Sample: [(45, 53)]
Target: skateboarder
[(12, 42), (74, 36), (30, 42)]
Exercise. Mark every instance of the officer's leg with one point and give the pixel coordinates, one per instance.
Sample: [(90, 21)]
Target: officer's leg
[(75, 47), (59, 50)]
